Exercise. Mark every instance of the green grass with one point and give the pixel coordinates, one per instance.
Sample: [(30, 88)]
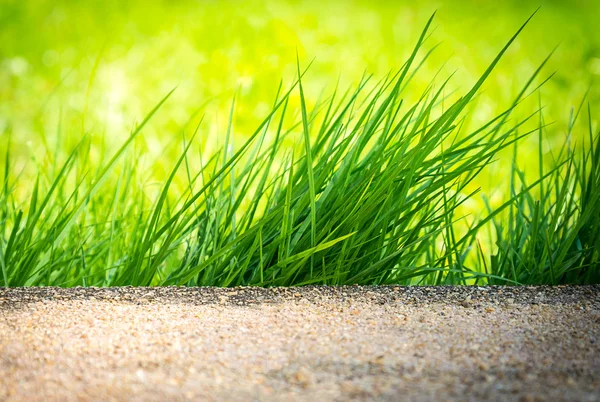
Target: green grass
[(373, 192)]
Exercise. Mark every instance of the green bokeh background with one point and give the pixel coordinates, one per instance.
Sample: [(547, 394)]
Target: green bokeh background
[(98, 66)]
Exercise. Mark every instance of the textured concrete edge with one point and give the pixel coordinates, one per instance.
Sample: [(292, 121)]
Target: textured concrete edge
[(465, 296)]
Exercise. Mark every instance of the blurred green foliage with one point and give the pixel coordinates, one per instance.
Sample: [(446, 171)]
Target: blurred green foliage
[(98, 66)]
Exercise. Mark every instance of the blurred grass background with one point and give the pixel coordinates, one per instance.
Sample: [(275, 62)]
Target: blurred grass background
[(97, 67)]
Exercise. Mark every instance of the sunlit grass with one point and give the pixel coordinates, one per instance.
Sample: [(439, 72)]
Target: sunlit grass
[(370, 184)]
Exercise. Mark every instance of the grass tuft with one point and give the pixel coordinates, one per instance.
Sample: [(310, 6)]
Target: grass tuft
[(376, 195)]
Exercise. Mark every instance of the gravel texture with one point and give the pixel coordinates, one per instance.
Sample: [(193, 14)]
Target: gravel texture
[(305, 344)]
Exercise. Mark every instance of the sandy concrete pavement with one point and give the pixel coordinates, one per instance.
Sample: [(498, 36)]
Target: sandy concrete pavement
[(305, 344)]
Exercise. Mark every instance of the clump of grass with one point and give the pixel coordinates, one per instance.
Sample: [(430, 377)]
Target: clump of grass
[(372, 196), (555, 237)]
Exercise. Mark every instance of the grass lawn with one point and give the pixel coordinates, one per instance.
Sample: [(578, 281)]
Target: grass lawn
[(197, 144)]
